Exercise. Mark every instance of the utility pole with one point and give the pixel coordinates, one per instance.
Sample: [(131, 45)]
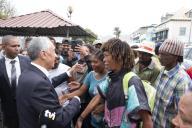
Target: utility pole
[(69, 13)]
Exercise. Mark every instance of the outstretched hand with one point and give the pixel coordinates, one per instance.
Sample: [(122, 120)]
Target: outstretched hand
[(74, 85), (75, 68), (63, 98), (83, 50)]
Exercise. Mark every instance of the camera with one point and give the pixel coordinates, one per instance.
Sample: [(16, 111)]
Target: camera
[(74, 43), (81, 61)]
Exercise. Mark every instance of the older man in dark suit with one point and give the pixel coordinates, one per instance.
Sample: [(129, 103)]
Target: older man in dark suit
[(37, 101), (11, 66)]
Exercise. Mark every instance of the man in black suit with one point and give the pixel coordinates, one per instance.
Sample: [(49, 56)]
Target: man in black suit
[(10, 46), (37, 101)]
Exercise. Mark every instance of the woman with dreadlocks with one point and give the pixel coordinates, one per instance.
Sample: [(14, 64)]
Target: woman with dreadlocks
[(122, 112)]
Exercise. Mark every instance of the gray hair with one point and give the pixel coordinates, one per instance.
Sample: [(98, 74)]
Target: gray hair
[(37, 45), (6, 39)]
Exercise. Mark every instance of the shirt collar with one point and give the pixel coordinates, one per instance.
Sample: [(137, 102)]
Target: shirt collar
[(41, 68), (9, 60), (116, 75), (2, 52), (171, 72), (151, 65)]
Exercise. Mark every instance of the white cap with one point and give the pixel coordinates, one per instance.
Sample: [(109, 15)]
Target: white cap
[(97, 42)]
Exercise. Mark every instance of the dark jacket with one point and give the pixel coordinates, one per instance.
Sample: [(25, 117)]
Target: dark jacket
[(38, 103), (8, 100)]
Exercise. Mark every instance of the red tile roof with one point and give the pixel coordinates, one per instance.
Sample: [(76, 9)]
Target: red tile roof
[(44, 23)]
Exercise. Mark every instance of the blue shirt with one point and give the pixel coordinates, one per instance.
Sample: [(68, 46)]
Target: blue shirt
[(91, 83)]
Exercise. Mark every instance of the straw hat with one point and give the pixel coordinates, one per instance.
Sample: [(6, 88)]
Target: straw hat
[(146, 46)]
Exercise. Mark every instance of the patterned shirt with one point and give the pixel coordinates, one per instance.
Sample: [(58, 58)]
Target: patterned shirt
[(170, 86), (121, 112)]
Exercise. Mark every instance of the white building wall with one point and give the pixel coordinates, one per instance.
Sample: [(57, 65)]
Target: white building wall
[(162, 27), (174, 30)]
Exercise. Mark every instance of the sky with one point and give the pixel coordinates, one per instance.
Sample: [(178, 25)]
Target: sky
[(102, 16)]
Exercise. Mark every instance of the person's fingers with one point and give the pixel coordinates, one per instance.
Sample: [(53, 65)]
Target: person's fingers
[(73, 88), (62, 101), (78, 45), (73, 83)]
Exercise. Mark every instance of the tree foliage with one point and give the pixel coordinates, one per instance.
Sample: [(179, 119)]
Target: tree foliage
[(6, 9), (117, 32), (89, 39)]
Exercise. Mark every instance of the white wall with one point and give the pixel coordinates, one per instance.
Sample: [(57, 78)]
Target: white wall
[(174, 30)]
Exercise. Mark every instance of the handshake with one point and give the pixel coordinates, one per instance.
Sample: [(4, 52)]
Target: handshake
[(65, 99)]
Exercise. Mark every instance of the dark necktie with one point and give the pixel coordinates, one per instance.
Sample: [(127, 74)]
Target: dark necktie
[(13, 76)]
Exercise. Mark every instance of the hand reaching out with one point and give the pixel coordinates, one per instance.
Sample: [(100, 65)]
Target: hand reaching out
[(63, 98), (83, 50), (75, 68), (74, 85)]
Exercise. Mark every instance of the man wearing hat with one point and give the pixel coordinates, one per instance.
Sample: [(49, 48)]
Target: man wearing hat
[(171, 83), (146, 68), (97, 44)]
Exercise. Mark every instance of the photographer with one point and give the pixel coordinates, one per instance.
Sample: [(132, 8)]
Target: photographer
[(69, 57)]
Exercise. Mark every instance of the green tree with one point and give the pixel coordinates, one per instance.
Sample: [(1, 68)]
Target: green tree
[(89, 39), (117, 32), (6, 9)]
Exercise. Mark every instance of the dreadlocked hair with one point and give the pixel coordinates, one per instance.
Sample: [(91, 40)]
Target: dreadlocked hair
[(121, 52)]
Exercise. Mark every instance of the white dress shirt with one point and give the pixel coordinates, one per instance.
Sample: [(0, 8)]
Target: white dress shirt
[(1, 54), (9, 66), (63, 87), (59, 70), (41, 68)]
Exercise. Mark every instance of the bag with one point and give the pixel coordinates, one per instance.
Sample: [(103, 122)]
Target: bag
[(149, 89)]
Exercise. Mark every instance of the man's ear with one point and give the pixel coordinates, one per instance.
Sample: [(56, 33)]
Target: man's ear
[(43, 55), (175, 121), (3, 46)]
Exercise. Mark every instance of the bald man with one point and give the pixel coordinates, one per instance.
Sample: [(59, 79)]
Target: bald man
[(11, 66), (184, 116)]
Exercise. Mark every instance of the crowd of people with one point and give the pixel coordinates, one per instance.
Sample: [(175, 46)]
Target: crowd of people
[(73, 84)]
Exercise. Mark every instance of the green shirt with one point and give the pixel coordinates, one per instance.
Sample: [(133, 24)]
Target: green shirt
[(150, 73)]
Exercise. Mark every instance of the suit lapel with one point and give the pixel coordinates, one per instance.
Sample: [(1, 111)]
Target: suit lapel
[(22, 64), (38, 71), (4, 70)]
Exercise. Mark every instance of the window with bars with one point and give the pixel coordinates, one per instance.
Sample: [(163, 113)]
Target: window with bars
[(182, 31)]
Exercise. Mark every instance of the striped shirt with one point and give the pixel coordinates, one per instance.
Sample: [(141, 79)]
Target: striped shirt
[(170, 85)]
